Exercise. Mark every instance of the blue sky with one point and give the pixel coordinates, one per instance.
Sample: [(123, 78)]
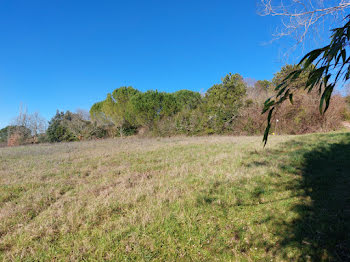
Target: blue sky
[(69, 54)]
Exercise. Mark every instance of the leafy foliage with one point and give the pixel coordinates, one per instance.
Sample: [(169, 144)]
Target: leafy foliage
[(229, 107), (151, 106), (224, 100), (264, 84), (4, 134), (324, 68), (188, 100), (97, 114), (22, 132), (67, 127)]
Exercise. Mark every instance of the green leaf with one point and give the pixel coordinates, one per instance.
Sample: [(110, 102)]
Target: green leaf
[(326, 96), (267, 130), (343, 53), (281, 91), (291, 99), (310, 57), (314, 77), (347, 74), (279, 86), (268, 103)]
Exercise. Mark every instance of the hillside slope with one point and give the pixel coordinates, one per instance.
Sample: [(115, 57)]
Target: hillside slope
[(205, 198)]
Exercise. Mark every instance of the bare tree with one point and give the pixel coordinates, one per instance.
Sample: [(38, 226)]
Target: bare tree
[(37, 124), (22, 119), (250, 82), (303, 18), (19, 131), (26, 126), (33, 122)]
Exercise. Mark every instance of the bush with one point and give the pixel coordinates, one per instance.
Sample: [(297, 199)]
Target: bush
[(18, 135), (68, 127), (303, 115)]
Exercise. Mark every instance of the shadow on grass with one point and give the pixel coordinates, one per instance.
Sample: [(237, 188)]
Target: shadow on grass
[(322, 229)]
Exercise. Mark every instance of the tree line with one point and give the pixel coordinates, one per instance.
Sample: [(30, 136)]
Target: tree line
[(190, 112), (232, 107)]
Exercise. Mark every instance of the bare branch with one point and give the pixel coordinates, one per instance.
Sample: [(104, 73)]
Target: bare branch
[(303, 18)]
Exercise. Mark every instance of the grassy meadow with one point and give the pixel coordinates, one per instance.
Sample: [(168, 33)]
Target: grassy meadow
[(177, 199)]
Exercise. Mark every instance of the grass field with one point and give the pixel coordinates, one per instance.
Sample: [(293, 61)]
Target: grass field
[(200, 199)]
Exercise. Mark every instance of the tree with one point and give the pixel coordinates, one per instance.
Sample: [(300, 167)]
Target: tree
[(300, 18), (4, 134), (324, 67), (97, 115), (297, 83), (258, 91), (263, 84), (68, 127), (187, 100), (169, 105), (24, 122), (122, 107), (116, 109), (22, 119), (58, 131), (151, 106), (224, 100), (37, 124), (109, 109)]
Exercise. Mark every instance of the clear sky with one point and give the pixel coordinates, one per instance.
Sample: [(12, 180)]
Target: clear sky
[(64, 54)]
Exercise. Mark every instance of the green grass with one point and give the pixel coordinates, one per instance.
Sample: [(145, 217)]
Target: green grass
[(201, 199)]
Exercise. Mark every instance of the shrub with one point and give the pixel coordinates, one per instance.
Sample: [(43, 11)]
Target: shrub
[(68, 127)]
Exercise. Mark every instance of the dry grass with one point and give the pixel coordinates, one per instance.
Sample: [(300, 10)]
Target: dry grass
[(203, 198)]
